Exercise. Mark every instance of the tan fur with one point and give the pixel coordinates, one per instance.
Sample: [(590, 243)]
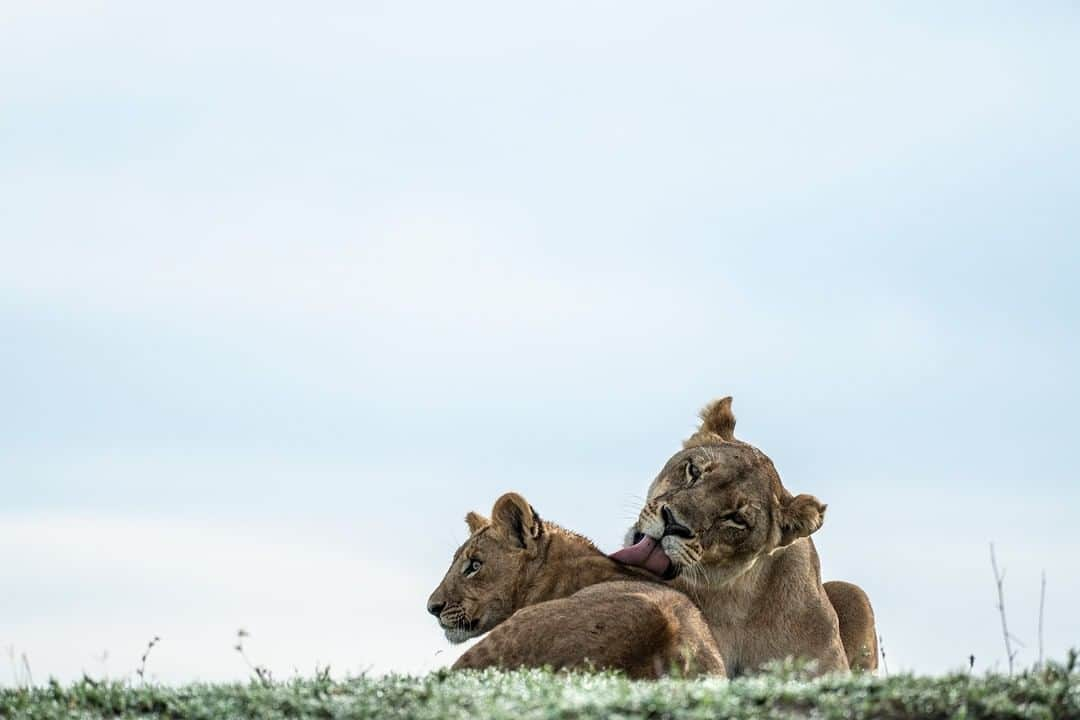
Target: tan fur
[(750, 564), (550, 598)]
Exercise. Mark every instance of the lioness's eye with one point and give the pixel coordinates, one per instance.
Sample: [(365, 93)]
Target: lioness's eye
[(693, 472), (473, 567), (735, 520)]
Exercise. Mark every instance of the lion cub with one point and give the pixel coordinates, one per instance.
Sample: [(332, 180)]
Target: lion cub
[(551, 598)]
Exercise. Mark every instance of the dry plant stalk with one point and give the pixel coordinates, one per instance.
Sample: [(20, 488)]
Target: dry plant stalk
[(999, 579), (1042, 607), (141, 670)]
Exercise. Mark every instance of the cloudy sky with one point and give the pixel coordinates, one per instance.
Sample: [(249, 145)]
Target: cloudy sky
[(287, 289)]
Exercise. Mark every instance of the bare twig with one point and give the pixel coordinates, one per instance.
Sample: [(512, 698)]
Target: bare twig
[(141, 670), (266, 679), (884, 661), (999, 579), (1042, 606)]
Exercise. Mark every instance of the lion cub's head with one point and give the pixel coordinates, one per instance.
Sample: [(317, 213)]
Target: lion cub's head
[(488, 573), (716, 507)]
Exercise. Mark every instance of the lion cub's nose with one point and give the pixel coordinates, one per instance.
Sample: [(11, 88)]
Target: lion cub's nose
[(435, 607), (672, 526)]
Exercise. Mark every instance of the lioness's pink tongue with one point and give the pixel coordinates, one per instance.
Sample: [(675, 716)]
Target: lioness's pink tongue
[(646, 553)]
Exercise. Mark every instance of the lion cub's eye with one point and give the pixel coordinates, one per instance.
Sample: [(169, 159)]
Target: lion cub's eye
[(473, 567), (693, 472)]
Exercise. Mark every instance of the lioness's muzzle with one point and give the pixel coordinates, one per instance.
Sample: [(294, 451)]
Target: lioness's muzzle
[(672, 526)]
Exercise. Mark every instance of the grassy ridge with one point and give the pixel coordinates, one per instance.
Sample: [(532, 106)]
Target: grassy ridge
[(1051, 693)]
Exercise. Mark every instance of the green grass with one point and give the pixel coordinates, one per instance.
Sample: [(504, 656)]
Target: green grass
[(1051, 693)]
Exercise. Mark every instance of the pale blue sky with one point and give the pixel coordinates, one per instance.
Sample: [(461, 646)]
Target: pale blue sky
[(285, 290)]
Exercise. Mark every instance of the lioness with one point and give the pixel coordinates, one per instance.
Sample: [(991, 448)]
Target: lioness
[(550, 598), (719, 523)]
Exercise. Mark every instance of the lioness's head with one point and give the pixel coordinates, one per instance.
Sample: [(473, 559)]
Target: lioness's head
[(716, 507), (488, 573)]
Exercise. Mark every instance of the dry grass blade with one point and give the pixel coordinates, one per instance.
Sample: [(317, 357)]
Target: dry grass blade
[(999, 579)]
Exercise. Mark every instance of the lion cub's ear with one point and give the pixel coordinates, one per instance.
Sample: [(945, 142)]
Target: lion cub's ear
[(717, 424), (516, 517), (476, 522), (799, 517)]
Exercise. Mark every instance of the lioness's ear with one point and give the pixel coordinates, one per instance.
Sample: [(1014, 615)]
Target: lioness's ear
[(799, 517), (513, 514), (476, 521), (717, 418), (717, 424)]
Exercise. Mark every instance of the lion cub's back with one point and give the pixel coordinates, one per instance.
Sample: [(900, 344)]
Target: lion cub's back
[(644, 629)]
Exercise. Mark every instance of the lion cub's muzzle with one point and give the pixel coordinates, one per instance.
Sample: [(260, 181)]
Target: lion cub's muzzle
[(455, 622)]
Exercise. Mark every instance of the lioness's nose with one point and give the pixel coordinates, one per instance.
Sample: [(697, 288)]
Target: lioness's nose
[(435, 607), (672, 526)]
